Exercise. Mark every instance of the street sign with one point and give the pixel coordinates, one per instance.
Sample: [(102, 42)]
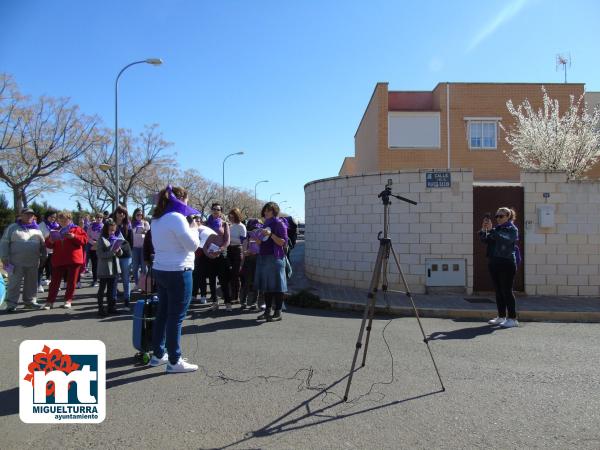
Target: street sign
[(438, 180)]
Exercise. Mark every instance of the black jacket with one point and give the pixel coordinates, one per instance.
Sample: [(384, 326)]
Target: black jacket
[(500, 241)]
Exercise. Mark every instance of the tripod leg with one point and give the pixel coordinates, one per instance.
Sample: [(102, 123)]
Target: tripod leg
[(368, 307), (407, 290), (383, 274)]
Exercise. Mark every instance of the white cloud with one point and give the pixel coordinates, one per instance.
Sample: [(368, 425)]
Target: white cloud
[(509, 11)]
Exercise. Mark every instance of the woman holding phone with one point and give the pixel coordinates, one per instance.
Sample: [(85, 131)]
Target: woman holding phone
[(503, 258)]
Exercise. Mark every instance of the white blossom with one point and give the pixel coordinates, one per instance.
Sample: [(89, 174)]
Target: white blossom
[(546, 140)]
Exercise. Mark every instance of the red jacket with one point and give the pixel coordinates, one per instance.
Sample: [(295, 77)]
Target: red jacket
[(68, 251)]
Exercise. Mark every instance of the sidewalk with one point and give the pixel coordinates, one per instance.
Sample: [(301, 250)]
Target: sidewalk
[(451, 306)]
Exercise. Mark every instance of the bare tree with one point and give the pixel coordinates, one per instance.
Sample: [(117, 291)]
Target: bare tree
[(142, 158), (40, 140), (546, 140)]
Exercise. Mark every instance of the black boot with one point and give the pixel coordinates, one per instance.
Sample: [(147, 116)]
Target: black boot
[(265, 316), (112, 309), (101, 308), (276, 317)]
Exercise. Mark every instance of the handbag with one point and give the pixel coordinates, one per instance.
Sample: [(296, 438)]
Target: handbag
[(288, 268)]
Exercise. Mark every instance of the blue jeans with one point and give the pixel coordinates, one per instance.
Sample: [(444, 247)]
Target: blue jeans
[(174, 296), (137, 263), (125, 264)]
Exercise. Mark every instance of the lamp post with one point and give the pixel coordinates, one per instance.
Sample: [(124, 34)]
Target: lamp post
[(231, 154), (154, 62), (257, 183), (273, 195)]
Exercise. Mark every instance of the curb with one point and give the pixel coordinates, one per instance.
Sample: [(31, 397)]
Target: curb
[(482, 314)]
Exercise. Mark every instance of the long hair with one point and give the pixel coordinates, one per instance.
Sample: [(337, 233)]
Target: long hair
[(163, 200), (121, 208)]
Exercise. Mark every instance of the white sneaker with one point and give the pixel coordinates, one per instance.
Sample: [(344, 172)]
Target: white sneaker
[(46, 283), (48, 306), (40, 288), (155, 362), (496, 321), (67, 305), (182, 366), (203, 300), (510, 323)]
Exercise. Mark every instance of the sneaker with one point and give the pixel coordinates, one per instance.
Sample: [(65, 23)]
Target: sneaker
[(510, 323), (253, 307), (32, 306), (95, 284), (264, 316), (46, 283), (214, 306), (40, 288), (228, 307), (63, 285), (182, 366), (11, 308), (155, 362), (263, 306), (496, 321), (79, 285), (48, 306), (67, 305), (276, 317), (203, 300)]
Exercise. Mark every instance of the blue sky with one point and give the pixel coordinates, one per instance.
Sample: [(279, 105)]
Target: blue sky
[(285, 82)]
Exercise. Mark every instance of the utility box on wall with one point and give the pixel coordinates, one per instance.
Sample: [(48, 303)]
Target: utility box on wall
[(446, 272), (545, 216)]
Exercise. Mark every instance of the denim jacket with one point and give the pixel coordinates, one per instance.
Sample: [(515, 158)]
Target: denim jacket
[(500, 241)]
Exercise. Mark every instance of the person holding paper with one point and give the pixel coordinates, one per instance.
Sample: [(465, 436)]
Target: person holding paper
[(48, 224), (108, 267), (22, 251), (270, 275), (121, 218), (235, 253), (94, 231), (139, 227), (67, 243), (175, 242)]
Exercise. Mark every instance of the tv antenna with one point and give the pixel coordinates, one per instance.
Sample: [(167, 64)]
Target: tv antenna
[(562, 62)]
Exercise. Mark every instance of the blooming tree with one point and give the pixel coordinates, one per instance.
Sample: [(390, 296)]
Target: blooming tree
[(546, 140)]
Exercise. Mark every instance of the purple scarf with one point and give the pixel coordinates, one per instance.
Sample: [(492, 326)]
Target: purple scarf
[(176, 205), (215, 224), (52, 225), (96, 227), (28, 226), (136, 223), (65, 230)]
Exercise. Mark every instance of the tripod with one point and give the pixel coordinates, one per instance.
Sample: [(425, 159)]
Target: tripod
[(380, 271)]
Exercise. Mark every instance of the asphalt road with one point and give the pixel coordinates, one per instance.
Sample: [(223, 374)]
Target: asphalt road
[(537, 386)]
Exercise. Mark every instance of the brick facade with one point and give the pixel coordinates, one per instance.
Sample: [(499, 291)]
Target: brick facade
[(372, 153)]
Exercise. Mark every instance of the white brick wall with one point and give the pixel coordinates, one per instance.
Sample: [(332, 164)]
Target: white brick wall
[(439, 226), (564, 259)]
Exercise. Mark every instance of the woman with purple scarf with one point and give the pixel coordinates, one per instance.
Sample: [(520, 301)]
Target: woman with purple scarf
[(22, 249), (270, 275), (94, 231), (49, 223), (219, 266), (175, 242), (139, 227), (121, 218), (108, 267), (504, 257)]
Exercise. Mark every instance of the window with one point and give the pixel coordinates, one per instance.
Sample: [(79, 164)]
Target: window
[(482, 134), (414, 130)]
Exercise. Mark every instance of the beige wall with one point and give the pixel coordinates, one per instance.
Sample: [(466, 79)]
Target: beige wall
[(367, 139), (563, 259), (348, 166), (343, 216)]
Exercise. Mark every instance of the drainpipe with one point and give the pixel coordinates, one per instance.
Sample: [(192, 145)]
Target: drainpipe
[(448, 119)]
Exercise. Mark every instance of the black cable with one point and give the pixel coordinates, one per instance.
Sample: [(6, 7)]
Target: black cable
[(306, 381)]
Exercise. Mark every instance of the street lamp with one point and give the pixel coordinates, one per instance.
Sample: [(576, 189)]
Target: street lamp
[(231, 154), (273, 195), (154, 62), (257, 183)]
